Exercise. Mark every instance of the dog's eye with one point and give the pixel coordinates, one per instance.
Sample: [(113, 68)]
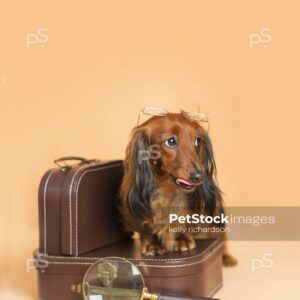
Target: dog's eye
[(198, 141), (171, 142)]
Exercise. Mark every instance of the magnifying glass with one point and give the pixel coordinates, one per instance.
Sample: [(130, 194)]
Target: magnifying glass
[(116, 278)]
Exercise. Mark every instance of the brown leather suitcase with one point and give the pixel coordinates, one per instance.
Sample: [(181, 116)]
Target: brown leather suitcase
[(193, 273), (77, 211)]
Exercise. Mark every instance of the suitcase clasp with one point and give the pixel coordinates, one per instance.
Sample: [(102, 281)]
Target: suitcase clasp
[(76, 288)]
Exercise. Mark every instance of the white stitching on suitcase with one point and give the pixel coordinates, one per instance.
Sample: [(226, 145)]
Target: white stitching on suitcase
[(70, 210), (142, 265), (76, 197), (62, 263), (45, 210), (70, 213), (139, 259)]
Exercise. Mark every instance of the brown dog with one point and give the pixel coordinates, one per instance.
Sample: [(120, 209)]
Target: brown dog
[(169, 167)]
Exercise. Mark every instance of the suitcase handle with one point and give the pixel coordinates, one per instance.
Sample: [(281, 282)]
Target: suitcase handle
[(61, 162)]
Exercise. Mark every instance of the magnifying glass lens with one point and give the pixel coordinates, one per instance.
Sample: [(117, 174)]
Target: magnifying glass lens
[(113, 278)]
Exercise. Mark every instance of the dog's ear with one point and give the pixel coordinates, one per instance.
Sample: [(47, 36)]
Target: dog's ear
[(138, 183), (207, 157), (209, 192)]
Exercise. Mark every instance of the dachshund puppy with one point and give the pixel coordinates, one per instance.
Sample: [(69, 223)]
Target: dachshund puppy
[(169, 168)]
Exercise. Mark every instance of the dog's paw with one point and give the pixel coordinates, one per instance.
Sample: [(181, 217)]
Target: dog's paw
[(229, 260), (181, 244), (184, 244), (152, 249)]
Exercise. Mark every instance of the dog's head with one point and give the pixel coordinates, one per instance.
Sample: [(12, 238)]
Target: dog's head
[(170, 150)]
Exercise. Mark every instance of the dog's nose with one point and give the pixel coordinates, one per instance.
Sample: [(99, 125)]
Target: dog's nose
[(196, 176)]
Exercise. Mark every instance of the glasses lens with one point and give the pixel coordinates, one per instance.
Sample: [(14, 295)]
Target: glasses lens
[(154, 111), (197, 116)]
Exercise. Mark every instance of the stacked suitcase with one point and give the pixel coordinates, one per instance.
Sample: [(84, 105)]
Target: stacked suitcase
[(79, 224)]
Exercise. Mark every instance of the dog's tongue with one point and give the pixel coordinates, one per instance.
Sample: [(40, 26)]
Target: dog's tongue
[(179, 180)]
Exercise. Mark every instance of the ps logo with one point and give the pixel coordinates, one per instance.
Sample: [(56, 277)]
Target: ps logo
[(152, 154), (40, 262), (265, 262), (41, 38), (263, 37)]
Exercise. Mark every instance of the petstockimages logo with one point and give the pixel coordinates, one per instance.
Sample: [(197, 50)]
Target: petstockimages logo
[(198, 223), (243, 223), (221, 219), (196, 219)]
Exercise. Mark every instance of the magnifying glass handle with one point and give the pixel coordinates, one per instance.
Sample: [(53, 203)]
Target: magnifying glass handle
[(169, 297)]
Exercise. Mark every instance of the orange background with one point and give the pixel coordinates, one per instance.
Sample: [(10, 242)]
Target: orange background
[(80, 93)]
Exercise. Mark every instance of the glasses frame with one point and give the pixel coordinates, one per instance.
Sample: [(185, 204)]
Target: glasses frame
[(201, 117)]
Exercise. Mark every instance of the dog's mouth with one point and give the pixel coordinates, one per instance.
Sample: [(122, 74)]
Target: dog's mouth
[(184, 184)]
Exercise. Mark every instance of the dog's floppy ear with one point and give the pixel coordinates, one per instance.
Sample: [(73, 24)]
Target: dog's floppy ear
[(209, 192), (207, 157), (138, 183)]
